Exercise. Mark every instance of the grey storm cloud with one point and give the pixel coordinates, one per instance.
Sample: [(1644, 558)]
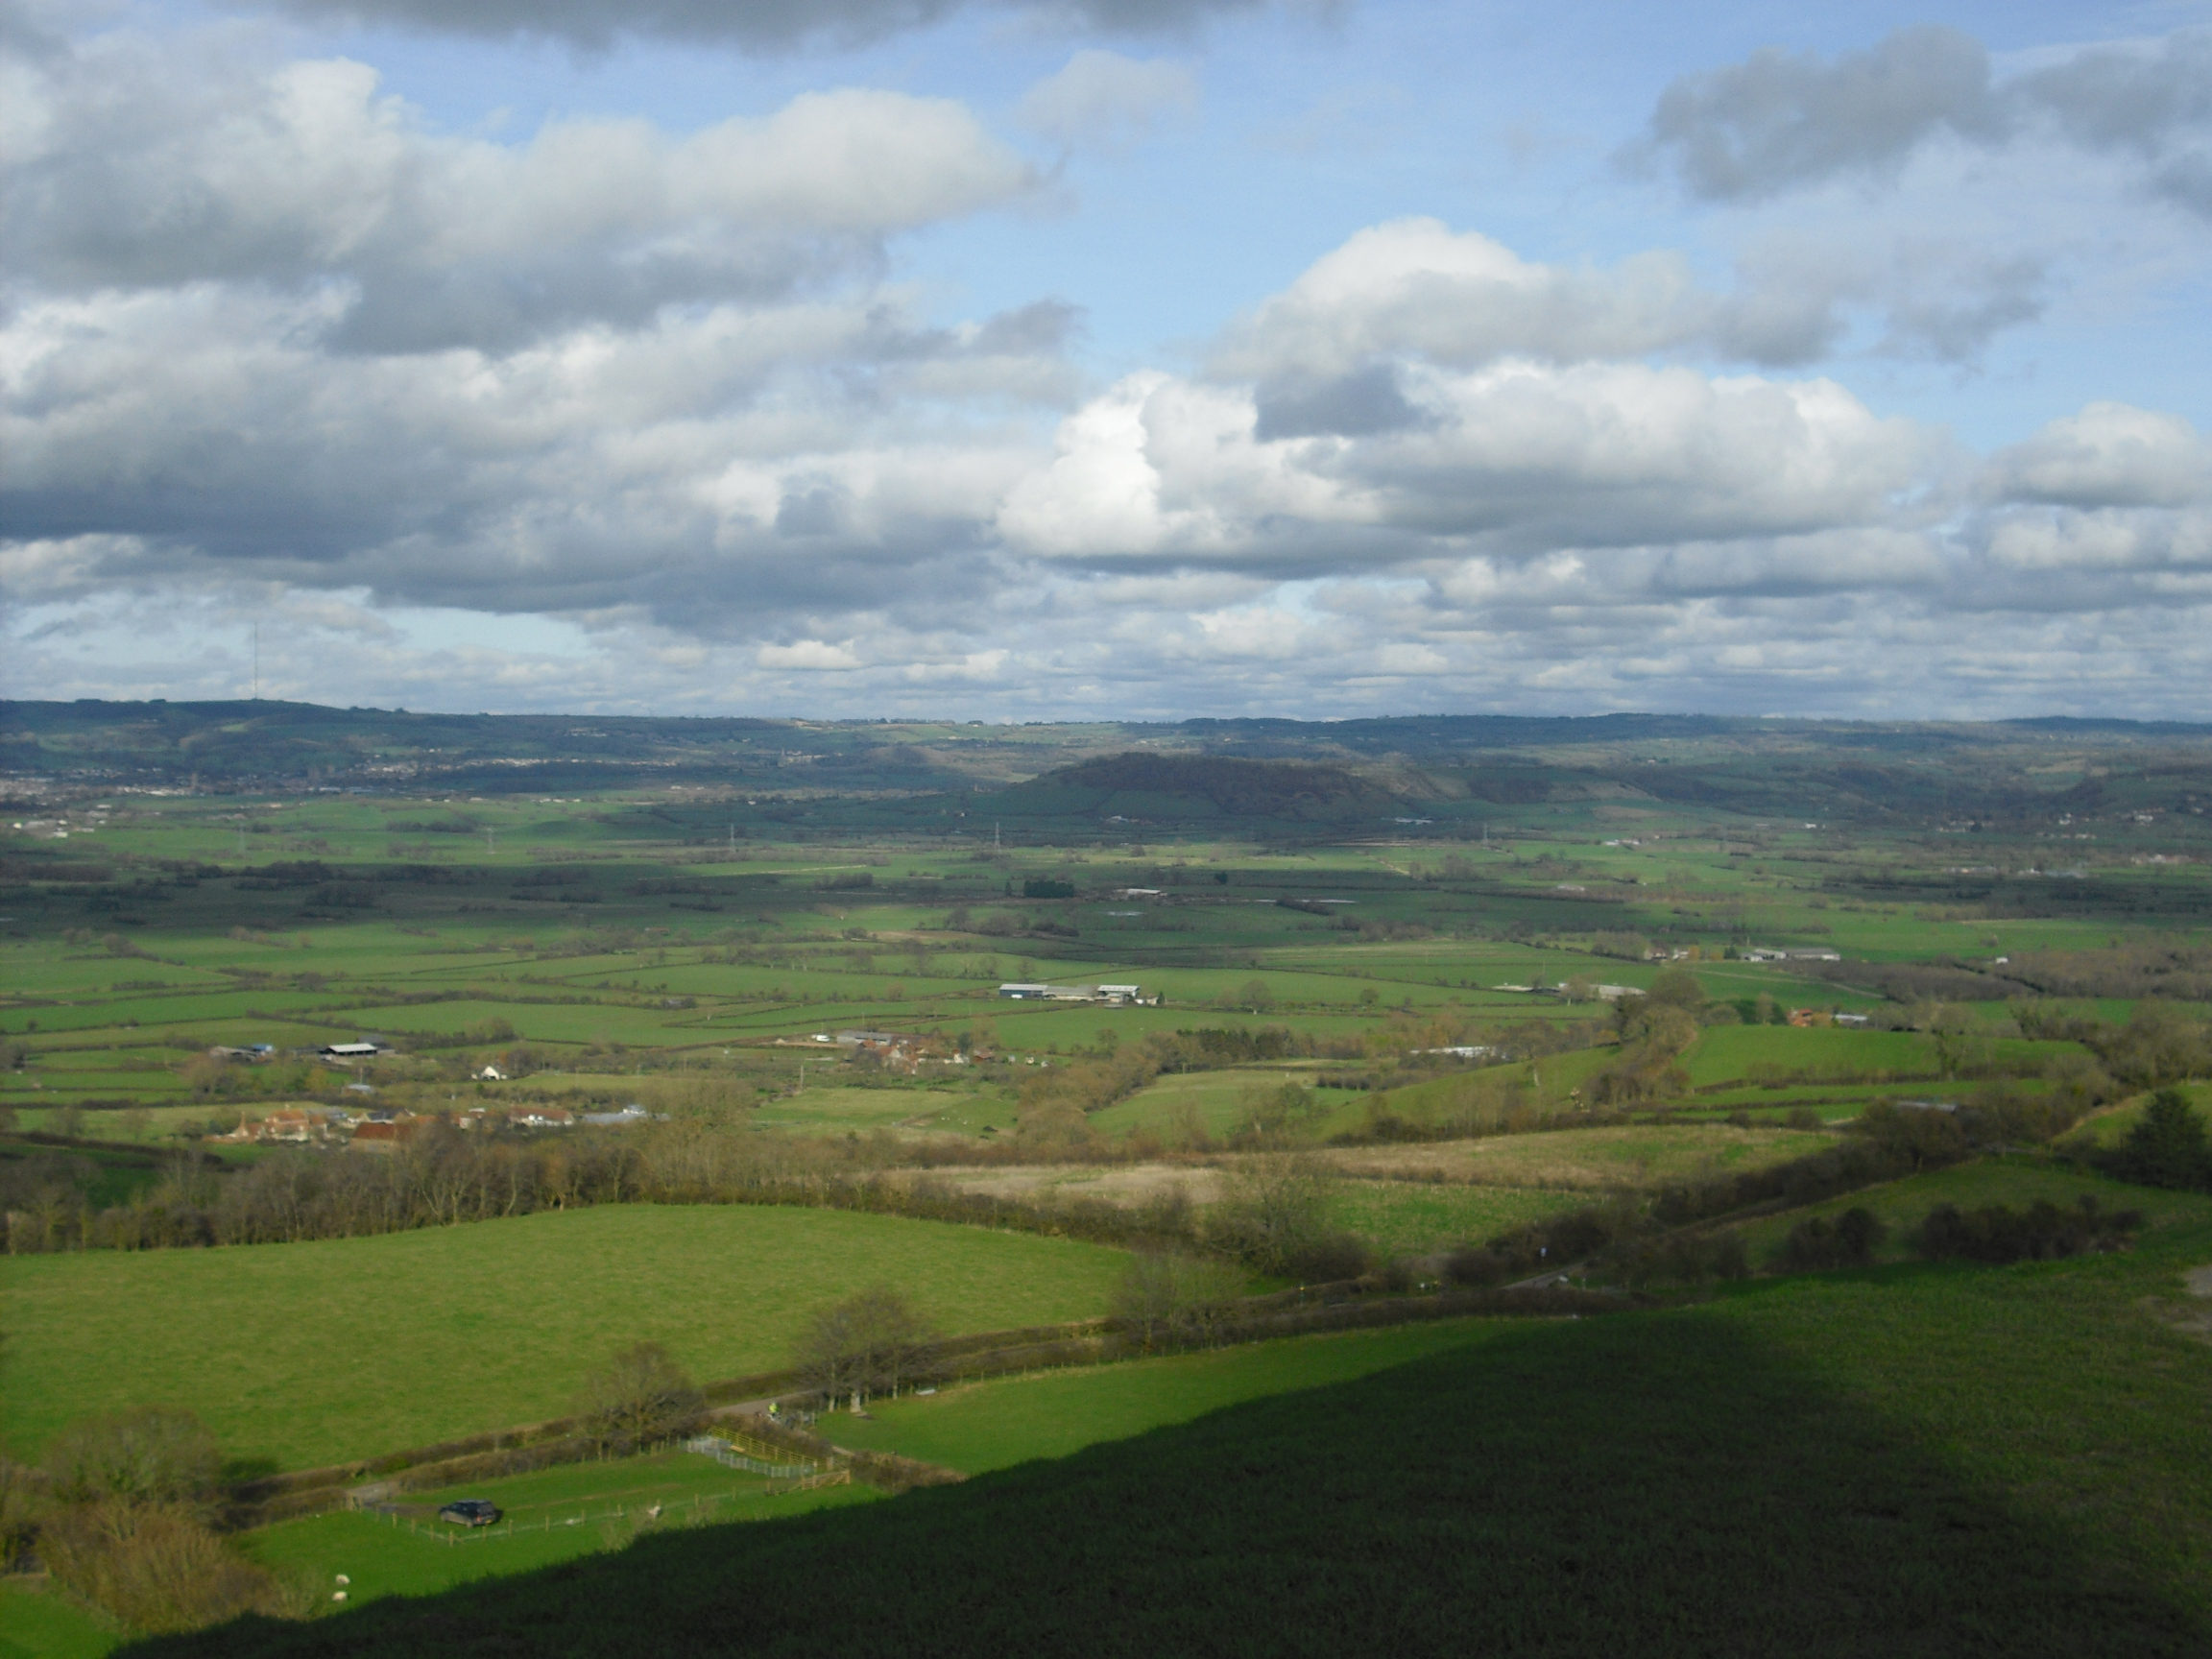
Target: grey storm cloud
[(754, 25), (1355, 405), (1779, 121)]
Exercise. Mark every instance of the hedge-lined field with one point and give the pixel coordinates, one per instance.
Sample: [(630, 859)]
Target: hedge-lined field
[(313, 1353)]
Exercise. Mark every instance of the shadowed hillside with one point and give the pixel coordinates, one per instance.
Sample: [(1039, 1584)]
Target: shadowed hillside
[(1650, 1485)]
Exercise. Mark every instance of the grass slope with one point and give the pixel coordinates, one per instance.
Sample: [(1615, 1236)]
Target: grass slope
[(1910, 1461), (307, 1354)]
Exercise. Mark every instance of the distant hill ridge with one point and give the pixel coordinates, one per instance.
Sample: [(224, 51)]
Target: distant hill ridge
[(1234, 785)]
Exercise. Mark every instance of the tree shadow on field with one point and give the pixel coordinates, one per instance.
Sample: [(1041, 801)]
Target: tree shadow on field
[(1620, 1488)]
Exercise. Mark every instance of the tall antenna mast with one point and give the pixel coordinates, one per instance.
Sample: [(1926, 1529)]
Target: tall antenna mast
[(256, 661)]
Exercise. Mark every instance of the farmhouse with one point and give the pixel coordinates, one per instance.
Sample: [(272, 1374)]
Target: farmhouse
[(296, 1126), (384, 1132)]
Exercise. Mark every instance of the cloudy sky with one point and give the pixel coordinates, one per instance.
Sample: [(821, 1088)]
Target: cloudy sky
[(997, 359)]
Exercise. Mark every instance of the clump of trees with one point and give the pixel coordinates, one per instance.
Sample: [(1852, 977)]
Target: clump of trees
[(2160, 1044), (1680, 1259), (1168, 1299), (874, 1343), (1850, 1241), (2176, 968), (2041, 1233), (123, 1518), (639, 1396), (1274, 1213), (1654, 1030)]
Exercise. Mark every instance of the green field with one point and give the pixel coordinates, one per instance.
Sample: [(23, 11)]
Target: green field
[(552, 1516), (676, 919), (1978, 1461), (302, 1354), (1223, 1102), (1412, 1218)]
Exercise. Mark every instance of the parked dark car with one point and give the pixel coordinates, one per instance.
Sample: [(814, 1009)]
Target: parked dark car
[(470, 1512)]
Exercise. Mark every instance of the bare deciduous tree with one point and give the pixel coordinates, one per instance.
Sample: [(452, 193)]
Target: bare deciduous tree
[(639, 1396), (1165, 1298), (872, 1343)]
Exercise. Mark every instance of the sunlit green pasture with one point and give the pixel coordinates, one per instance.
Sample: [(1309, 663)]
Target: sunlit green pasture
[(1726, 1052), (834, 1110), (306, 1353), (1222, 1102), (556, 1515), (1412, 1218)]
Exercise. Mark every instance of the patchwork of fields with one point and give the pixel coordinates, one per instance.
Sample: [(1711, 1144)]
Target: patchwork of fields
[(1503, 1015)]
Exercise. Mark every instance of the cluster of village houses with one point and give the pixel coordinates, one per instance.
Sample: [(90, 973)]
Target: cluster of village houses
[(376, 1129), (382, 1131)]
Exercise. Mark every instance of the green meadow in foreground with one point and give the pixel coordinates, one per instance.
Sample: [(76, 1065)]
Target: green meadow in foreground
[(307, 1354), (556, 1515), (1912, 1460)]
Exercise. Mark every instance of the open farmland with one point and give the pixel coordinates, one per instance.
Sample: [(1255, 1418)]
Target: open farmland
[(691, 1065), (416, 1338)]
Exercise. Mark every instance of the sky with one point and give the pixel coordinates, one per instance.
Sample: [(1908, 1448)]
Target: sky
[(1080, 359)]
